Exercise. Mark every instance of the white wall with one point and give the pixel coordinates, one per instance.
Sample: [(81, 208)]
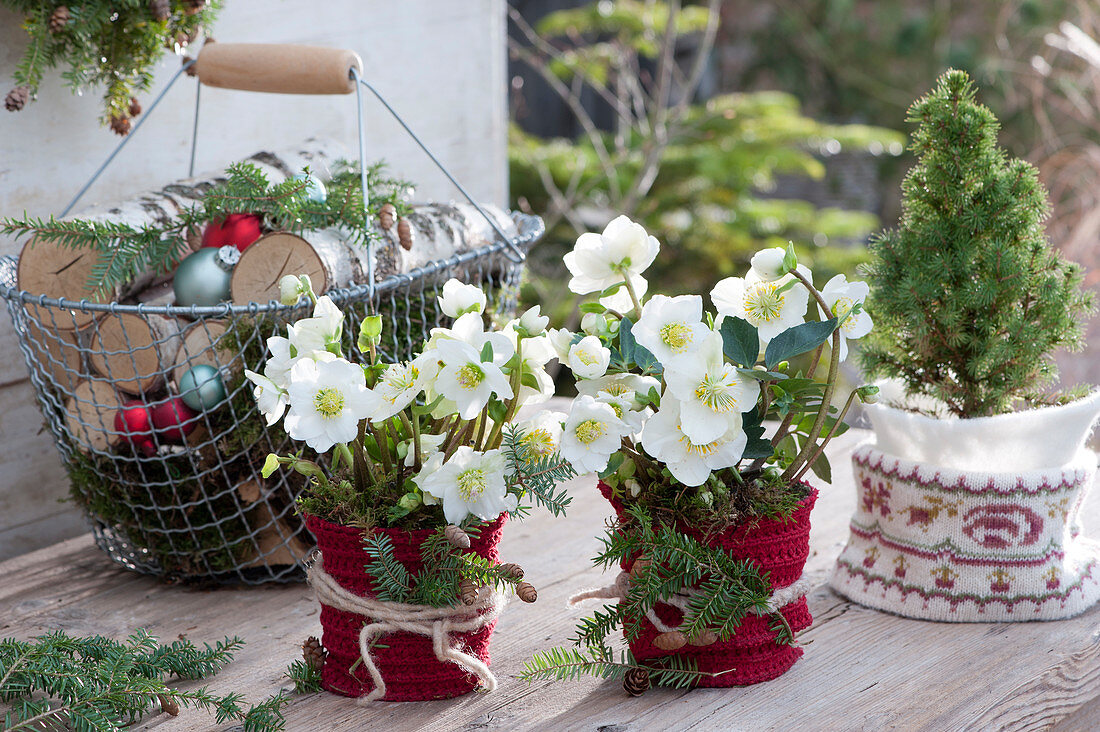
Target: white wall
[(441, 64)]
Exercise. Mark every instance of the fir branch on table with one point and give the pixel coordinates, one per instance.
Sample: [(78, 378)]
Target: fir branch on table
[(306, 678), (57, 681), (565, 664), (126, 252)]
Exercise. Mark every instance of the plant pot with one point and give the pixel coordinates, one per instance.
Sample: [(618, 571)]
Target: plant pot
[(406, 661), (973, 536), (779, 548)]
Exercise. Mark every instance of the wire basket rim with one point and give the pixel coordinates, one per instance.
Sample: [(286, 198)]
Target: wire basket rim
[(531, 229)]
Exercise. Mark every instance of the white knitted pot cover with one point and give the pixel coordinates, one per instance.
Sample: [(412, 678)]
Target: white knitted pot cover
[(969, 546)]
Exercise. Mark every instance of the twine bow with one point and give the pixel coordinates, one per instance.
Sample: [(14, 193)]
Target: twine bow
[(681, 600), (434, 622)]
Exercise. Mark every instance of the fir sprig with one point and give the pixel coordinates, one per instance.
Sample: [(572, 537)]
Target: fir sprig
[(126, 252), (565, 664), (57, 681), (539, 475)]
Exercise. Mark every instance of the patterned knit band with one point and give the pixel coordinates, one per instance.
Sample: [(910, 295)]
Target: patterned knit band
[(967, 546)]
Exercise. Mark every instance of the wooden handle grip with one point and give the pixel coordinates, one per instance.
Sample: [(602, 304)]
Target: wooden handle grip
[(277, 68)]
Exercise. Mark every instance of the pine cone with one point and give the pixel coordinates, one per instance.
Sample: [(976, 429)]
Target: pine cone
[(59, 19), (161, 9), (457, 536), (168, 705), (512, 570), (405, 234), (526, 592), (673, 640), (386, 216), (314, 653), (638, 566), (17, 98), (194, 7), (467, 590), (135, 107), (120, 125), (706, 638), (636, 681)]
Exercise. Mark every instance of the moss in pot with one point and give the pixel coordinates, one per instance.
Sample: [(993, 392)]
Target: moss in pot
[(711, 527), (968, 496)]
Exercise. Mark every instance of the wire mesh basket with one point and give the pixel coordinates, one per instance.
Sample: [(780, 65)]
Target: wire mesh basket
[(188, 502)]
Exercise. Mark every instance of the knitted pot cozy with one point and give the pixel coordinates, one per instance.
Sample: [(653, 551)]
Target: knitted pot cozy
[(968, 546), (779, 548), (407, 661)]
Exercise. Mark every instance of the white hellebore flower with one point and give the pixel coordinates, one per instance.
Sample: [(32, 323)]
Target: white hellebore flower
[(317, 333), (328, 397), (270, 398), (767, 263), (402, 382), (537, 352), (290, 290), (458, 299), (282, 359), (534, 322), (672, 328), (690, 462), (466, 380), (624, 410), (542, 433), (431, 460), (591, 434), (842, 296), (711, 392), (764, 304), (470, 483), (561, 340), (631, 386), (623, 251), (589, 357), (470, 328)]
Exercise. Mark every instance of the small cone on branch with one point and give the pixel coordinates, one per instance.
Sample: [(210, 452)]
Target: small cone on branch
[(673, 640), (386, 216), (638, 566), (457, 536), (314, 653), (636, 681), (135, 107), (120, 125), (405, 234), (705, 638), (17, 98), (527, 592), (512, 570), (194, 7), (59, 19), (467, 590), (168, 705), (161, 9)]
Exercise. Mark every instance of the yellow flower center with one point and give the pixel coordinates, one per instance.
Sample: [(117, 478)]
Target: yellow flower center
[(400, 378), (589, 431), (471, 484), (586, 357), (763, 303), (842, 307), (470, 375), (714, 392), (617, 388), (699, 450), (676, 336), (539, 442), (329, 402)]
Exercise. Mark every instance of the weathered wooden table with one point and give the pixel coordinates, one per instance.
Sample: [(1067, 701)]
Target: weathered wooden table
[(862, 669)]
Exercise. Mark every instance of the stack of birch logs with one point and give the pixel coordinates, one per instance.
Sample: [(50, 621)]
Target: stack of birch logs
[(91, 363)]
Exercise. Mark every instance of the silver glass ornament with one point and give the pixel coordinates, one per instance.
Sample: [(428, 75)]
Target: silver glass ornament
[(201, 387), (203, 278)]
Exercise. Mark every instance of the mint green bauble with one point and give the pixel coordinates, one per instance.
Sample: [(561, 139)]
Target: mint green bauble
[(203, 278), (315, 191), (202, 387)]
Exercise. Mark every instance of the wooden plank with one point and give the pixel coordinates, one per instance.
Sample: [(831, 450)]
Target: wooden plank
[(862, 668)]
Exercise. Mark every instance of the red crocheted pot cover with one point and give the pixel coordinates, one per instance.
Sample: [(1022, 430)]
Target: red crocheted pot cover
[(778, 547), (405, 660)]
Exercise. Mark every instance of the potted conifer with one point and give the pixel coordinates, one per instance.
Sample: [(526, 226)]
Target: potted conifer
[(969, 492), (711, 528), (419, 464)]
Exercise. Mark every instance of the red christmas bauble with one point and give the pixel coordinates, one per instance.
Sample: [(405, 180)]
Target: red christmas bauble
[(237, 230), (135, 423), (174, 420)]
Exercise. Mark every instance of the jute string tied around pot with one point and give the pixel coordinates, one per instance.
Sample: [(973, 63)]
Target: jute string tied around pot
[(434, 622), (681, 600)]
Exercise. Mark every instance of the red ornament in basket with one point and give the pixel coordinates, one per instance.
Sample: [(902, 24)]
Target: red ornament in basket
[(426, 462), (238, 230), (713, 520)]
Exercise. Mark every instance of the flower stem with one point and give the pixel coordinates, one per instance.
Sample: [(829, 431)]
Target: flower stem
[(361, 466), (832, 433), (516, 382), (413, 426), (633, 296), (383, 448)]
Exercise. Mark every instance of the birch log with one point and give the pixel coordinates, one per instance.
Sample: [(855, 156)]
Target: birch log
[(204, 343), (135, 352), (90, 415)]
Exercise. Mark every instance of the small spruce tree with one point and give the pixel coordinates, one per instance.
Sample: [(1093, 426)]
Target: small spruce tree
[(968, 298)]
